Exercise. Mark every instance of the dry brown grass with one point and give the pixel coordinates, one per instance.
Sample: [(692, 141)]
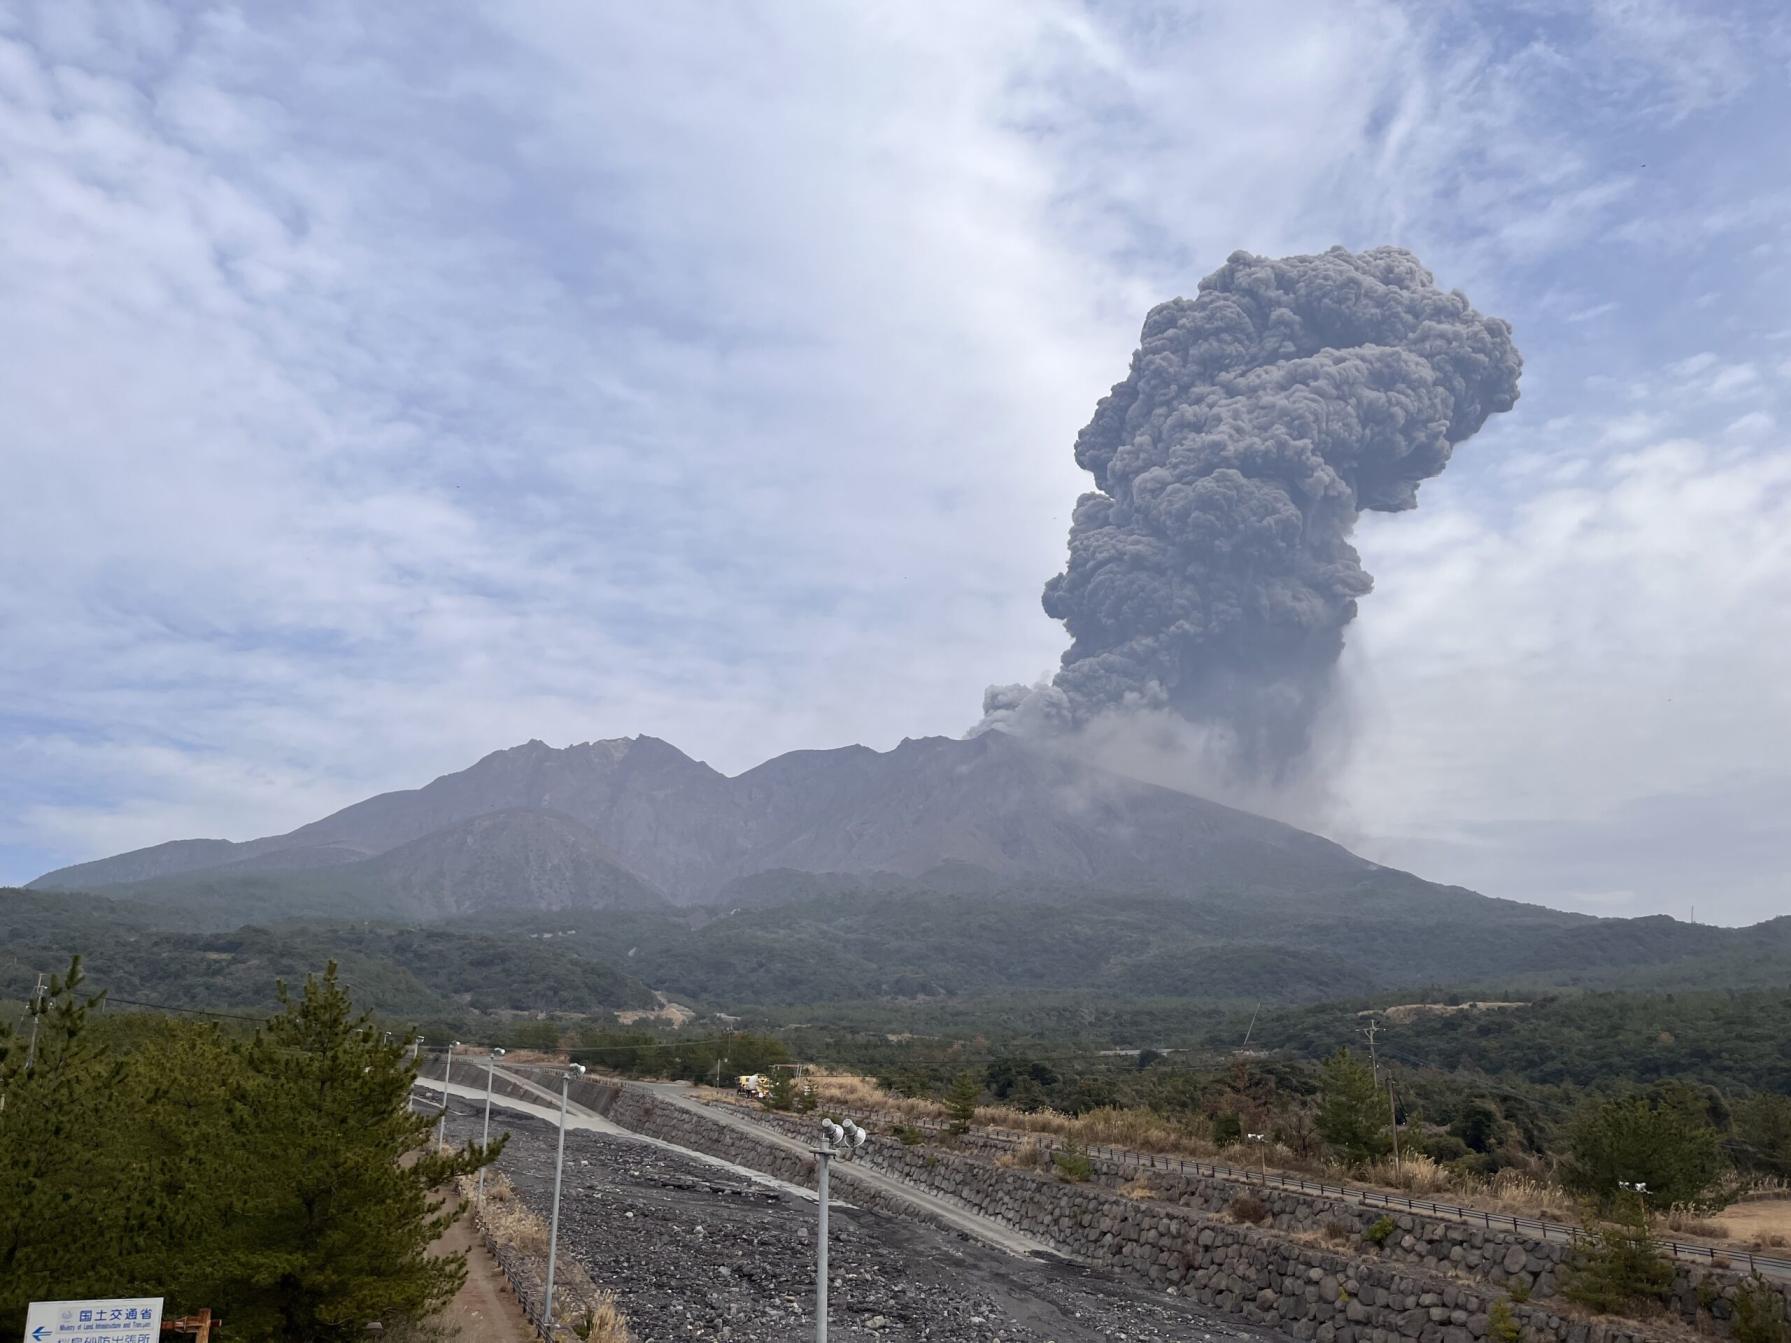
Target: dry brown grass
[(1762, 1220), (583, 1308), (603, 1322), (1759, 1223), (1029, 1155), (1684, 1221), (1138, 1188), (503, 1216), (1414, 1174)]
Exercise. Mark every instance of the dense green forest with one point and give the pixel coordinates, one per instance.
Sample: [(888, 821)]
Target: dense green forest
[(420, 973), (859, 971), (275, 1174)]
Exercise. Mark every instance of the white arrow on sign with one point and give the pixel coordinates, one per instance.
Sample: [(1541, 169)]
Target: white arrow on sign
[(126, 1319)]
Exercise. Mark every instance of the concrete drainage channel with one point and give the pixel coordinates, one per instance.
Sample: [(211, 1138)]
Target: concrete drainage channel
[(1209, 1268)]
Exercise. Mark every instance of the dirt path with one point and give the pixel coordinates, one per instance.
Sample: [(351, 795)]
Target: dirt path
[(484, 1310)]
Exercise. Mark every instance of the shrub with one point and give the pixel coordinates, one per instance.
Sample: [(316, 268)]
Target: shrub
[(1381, 1232), (1666, 1144), (1760, 1314), (1073, 1164), (1623, 1269), (907, 1135), (1340, 1232), (1247, 1208), (1501, 1323)]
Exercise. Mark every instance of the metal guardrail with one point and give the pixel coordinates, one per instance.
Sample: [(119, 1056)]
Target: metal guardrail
[(1125, 1158)]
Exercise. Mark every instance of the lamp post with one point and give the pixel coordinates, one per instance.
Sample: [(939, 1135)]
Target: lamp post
[(559, 1165), (485, 1137), (441, 1124), (835, 1140)]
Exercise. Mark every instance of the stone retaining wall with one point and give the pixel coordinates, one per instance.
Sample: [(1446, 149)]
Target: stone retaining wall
[(1432, 1281)]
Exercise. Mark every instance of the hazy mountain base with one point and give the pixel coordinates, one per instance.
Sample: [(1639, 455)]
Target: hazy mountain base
[(896, 939)]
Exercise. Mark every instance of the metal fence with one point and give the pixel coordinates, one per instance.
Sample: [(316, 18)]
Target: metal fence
[(1124, 1159)]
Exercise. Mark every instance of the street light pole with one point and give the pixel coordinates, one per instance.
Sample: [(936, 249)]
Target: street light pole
[(485, 1137), (441, 1124), (824, 1155), (845, 1141), (559, 1166)]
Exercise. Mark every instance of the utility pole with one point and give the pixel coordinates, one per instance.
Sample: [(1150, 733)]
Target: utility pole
[(1393, 1122), (1373, 1058), (559, 1166), (485, 1137), (37, 1010), (1252, 1028), (842, 1141), (1262, 1153)]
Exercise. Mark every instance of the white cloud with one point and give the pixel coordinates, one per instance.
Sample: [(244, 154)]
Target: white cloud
[(1534, 688), (385, 388)]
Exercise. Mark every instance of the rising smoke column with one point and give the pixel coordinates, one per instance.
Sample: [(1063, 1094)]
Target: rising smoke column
[(1211, 571)]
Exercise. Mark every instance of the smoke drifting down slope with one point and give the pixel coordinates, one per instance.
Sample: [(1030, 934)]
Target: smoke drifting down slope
[(1210, 571)]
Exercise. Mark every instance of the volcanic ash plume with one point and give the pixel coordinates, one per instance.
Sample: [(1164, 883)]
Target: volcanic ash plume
[(1211, 573)]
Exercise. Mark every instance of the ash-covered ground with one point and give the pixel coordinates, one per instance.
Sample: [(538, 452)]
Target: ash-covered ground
[(693, 1251)]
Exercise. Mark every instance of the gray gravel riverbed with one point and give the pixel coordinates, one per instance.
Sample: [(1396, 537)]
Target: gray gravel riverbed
[(696, 1252)]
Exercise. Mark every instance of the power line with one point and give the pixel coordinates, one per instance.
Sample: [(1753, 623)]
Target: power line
[(170, 1007)]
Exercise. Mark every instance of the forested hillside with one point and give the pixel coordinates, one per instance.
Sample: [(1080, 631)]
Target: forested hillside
[(418, 973)]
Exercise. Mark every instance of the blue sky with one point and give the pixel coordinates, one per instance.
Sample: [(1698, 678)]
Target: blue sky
[(389, 384)]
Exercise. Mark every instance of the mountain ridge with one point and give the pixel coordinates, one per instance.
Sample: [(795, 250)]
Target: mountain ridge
[(687, 830)]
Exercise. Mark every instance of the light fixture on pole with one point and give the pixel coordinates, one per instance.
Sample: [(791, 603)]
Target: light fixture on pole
[(559, 1165), (836, 1140), (1262, 1151), (485, 1137)]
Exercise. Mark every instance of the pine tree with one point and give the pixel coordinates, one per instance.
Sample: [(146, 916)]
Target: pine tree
[(960, 1103), (781, 1094), (1352, 1114), (1623, 1269), (60, 1214), (334, 1226)]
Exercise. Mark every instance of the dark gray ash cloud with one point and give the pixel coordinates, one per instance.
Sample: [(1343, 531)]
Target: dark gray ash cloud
[(1211, 572)]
